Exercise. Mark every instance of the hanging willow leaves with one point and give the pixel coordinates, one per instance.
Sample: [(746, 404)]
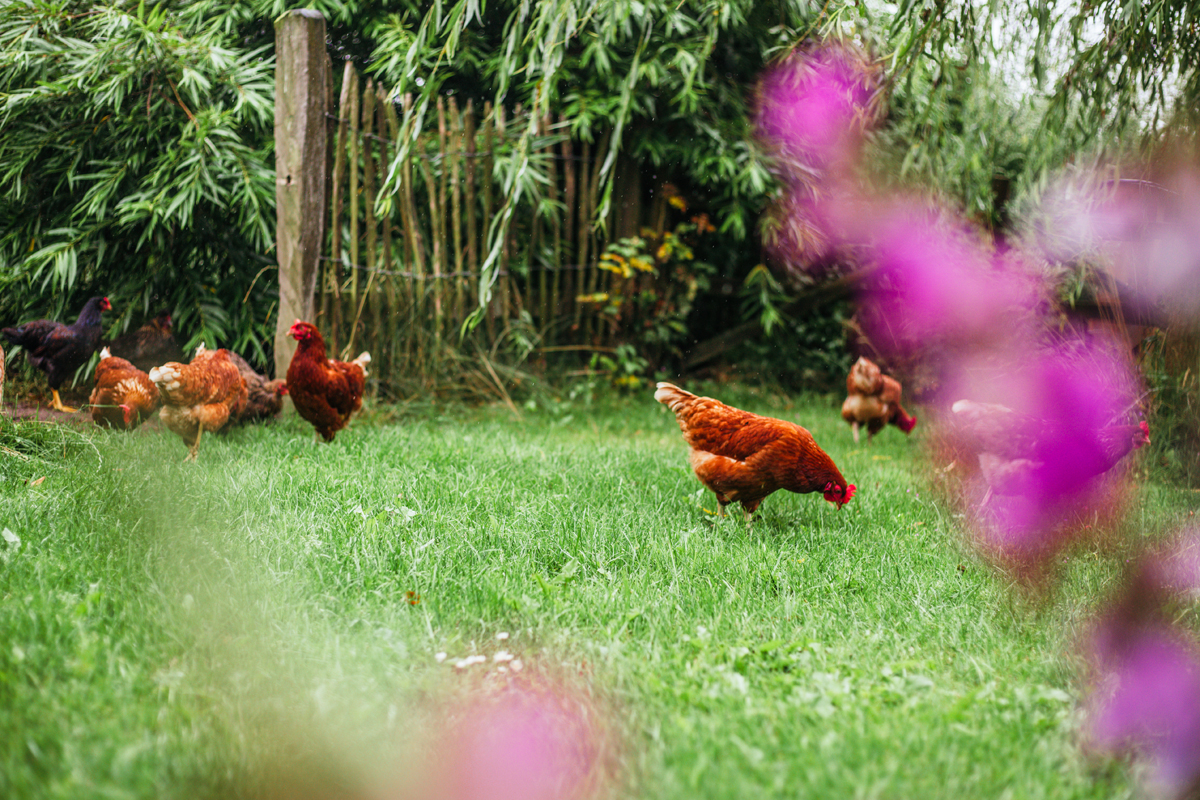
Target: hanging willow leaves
[(663, 81)]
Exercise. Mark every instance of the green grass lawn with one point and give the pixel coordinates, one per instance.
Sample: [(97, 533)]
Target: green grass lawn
[(246, 625)]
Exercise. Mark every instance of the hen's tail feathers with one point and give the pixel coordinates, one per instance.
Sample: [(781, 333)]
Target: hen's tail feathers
[(166, 377), (363, 359), (672, 396), (972, 407), (105, 353)]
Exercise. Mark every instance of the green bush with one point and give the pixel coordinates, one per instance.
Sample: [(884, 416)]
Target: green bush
[(135, 144)]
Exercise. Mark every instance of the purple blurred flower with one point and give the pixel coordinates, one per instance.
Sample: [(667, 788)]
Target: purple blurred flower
[(1176, 567), (1147, 699), (1145, 232), (936, 284), (1046, 422), (800, 240), (814, 104), (524, 738), (812, 108)]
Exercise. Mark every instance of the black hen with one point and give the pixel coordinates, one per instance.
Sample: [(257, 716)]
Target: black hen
[(57, 349), (150, 346)]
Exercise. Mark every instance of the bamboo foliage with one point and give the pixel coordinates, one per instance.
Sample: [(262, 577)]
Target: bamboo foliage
[(405, 269)]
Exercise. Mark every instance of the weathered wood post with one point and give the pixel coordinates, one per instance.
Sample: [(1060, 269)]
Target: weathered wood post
[(302, 90)]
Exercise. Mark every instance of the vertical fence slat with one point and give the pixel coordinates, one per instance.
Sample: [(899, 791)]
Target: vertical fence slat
[(570, 274), (556, 260), (369, 297), (489, 164), (455, 156), (416, 237), (334, 321), (593, 269), (435, 259), (505, 301), (387, 355), (410, 246), (535, 246), (469, 163), (443, 286), (352, 166), (581, 236)]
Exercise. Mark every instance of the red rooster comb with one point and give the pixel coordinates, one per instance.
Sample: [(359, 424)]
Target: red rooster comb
[(908, 424), (851, 489), (1145, 431)]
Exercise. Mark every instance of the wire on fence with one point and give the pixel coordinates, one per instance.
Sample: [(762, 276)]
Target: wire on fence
[(405, 274), (458, 153)]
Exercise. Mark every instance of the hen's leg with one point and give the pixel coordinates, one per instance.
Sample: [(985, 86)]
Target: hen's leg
[(195, 447), (854, 430), (57, 404), (721, 507), (748, 510), (986, 496)]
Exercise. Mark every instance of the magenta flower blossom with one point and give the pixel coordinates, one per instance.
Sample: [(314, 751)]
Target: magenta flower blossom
[(1147, 700), (1146, 697), (524, 738), (800, 238), (936, 286), (812, 108), (1146, 233), (1046, 424), (814, 104)]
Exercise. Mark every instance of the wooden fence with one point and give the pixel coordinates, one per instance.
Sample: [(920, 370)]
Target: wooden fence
[(401, 282)]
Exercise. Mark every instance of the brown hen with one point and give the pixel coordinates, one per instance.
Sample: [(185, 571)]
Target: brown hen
[(124, 396), (325, 392), (200, 396), (873, 400), (745, 457)]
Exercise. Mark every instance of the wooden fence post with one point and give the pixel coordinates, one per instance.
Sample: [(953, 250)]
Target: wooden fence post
[(302, 81)]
